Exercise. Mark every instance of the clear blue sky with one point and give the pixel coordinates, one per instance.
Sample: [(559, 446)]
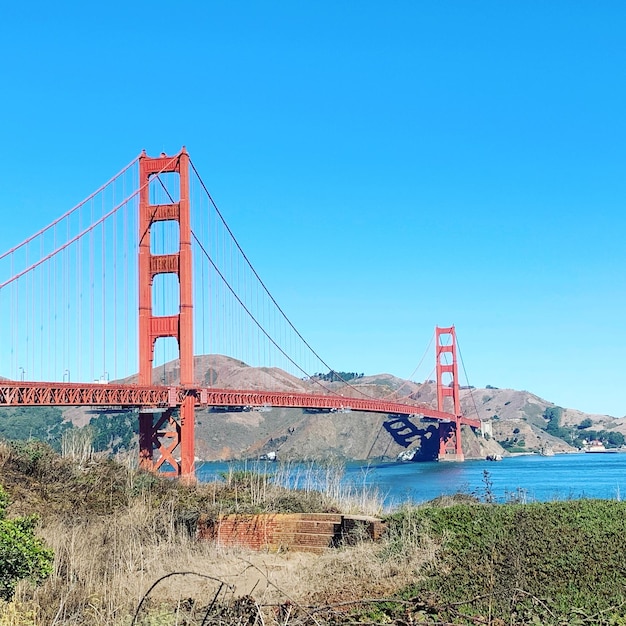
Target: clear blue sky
[(387, 166)]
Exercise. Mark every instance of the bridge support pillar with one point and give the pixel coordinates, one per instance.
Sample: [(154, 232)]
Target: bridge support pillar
[(450, 448), (187, 438), (164, 432), (146, 448), (174, 429), (450, 445)]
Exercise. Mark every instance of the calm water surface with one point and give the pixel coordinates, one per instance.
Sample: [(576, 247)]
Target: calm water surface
[(530, 478)]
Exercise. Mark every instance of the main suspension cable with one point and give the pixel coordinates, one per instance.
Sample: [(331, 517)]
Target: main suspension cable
[(243, 254), (252, 317), (467, 380)]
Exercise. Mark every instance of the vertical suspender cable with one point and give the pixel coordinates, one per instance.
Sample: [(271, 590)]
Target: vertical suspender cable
[(126, 286), (91, 298), (39, 291), (104, 292), (27, 319), (12, 317), (115, 366), (80, 287), (113, 295), (14, 312), (55, 301), (66, 292)]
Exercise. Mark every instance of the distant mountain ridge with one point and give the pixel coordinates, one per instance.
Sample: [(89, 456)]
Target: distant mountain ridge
[(515, 421), (511, 417)]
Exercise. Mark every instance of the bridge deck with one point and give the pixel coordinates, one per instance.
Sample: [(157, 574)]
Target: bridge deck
[(14, 393)]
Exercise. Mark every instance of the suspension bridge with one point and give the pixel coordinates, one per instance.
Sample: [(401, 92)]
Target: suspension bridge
[(143, 272)]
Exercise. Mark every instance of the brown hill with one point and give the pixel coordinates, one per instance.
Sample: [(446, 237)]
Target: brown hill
[(512, 417), (519, 415)]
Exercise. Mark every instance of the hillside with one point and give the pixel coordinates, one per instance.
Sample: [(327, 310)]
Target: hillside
[(515, 421), (514, 418), (517, 416)]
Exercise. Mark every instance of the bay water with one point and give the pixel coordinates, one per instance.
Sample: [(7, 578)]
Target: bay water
[(525, 478)]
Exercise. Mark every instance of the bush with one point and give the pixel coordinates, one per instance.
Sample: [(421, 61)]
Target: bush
[(22, 555), (497, 558)]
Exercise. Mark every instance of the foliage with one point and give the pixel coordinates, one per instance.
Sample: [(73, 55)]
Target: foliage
[(42, 423), (52, 485), (553, 415), (31, 458), (255, 491), (611, 439), (498, 558), (22, 555), (542, 563), (333, 377), (614, 439), (43, 481), (515, 443), (114, 432)]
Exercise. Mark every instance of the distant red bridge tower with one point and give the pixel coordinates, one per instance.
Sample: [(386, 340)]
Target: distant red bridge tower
[(450, 448)]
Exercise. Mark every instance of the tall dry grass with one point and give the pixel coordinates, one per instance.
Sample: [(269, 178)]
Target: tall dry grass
[(323, 483), (104, 567), (116, 531), (77, 444)]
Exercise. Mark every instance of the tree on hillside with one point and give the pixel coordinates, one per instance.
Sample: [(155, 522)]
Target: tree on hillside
[(114, 432), (553, 415), (43, 423), (614, 439), (333, 376)]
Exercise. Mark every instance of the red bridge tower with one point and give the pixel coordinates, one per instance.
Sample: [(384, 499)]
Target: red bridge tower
[(165, 430), (449, 432)]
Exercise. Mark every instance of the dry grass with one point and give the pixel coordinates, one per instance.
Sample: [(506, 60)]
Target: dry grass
[(328, 480), (104, 567), (124, 540), (115, 532), (362, 572)]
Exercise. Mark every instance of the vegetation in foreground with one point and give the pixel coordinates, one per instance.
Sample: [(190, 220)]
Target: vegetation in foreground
[(116, 532)]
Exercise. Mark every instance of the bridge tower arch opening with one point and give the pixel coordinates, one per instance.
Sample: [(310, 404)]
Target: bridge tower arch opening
[(450, 448), (170, 431)]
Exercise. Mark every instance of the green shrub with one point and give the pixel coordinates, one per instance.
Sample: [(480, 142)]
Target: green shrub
[(505, 559), (22, 555)]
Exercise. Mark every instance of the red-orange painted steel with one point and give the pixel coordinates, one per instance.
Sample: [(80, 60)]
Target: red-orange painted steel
[(14, 393), (180, 326), (159, 430), (449, 437)]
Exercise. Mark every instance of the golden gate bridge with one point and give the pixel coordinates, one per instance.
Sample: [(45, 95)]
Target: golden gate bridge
[(146, 271)]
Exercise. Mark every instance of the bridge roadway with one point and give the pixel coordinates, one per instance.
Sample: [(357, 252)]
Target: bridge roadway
[(24, 393)]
